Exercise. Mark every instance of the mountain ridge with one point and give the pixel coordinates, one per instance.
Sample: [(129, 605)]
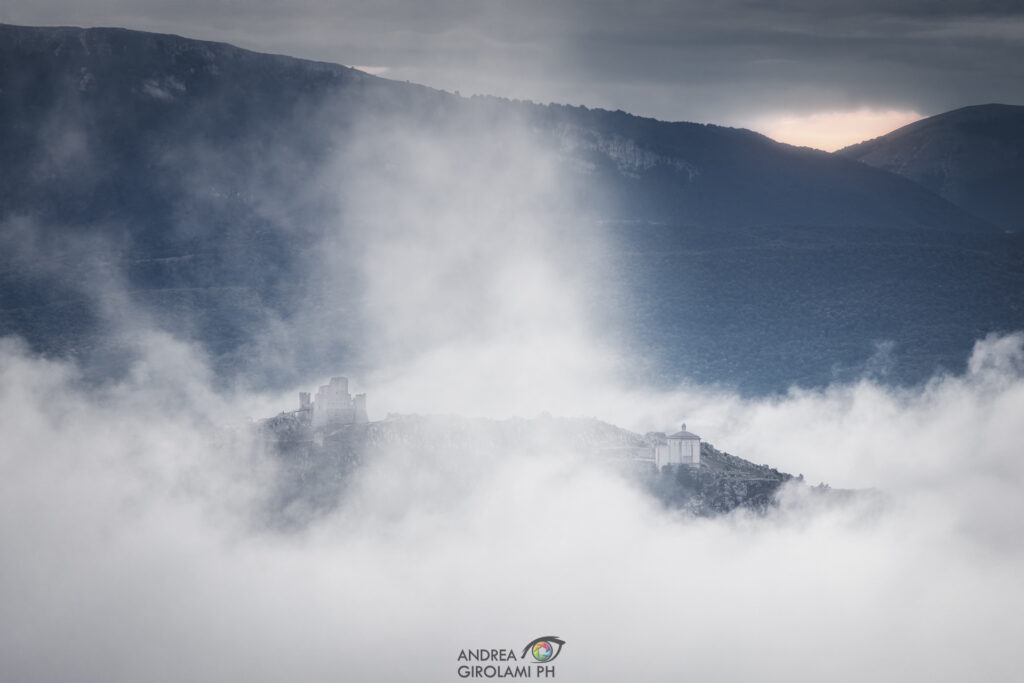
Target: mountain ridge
[(192, 180), (678, 137)]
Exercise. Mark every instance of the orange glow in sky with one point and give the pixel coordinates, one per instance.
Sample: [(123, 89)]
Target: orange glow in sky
[(832, 130), (374, 70)]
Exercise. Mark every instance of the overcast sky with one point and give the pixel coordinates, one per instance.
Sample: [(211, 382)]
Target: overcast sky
[(790, 68)]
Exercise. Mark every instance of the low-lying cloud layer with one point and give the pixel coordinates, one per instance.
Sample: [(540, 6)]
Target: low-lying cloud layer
[(135, 546)]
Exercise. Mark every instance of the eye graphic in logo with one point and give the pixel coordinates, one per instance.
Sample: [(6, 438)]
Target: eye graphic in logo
[(544, 649)]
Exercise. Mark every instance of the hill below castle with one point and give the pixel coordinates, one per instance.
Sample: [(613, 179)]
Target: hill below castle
[(316, 471)]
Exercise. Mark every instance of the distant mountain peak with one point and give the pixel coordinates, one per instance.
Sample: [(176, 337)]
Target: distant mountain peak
[(971, 157)]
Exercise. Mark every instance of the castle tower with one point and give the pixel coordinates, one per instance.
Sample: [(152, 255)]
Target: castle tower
[(360, 416), (335, 406)]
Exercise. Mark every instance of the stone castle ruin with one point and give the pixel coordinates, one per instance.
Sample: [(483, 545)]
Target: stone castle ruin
[(333, 405)]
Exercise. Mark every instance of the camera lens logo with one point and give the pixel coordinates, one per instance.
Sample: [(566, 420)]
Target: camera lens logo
[(544, 649)]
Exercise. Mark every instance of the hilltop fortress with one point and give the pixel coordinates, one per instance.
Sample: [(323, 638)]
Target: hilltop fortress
[(333, 405), (325, 416)]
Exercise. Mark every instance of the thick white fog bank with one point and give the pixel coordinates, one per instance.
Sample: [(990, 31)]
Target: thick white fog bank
[(135, 544)]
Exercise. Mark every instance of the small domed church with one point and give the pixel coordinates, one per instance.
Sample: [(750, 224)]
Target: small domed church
[(682, 448)]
